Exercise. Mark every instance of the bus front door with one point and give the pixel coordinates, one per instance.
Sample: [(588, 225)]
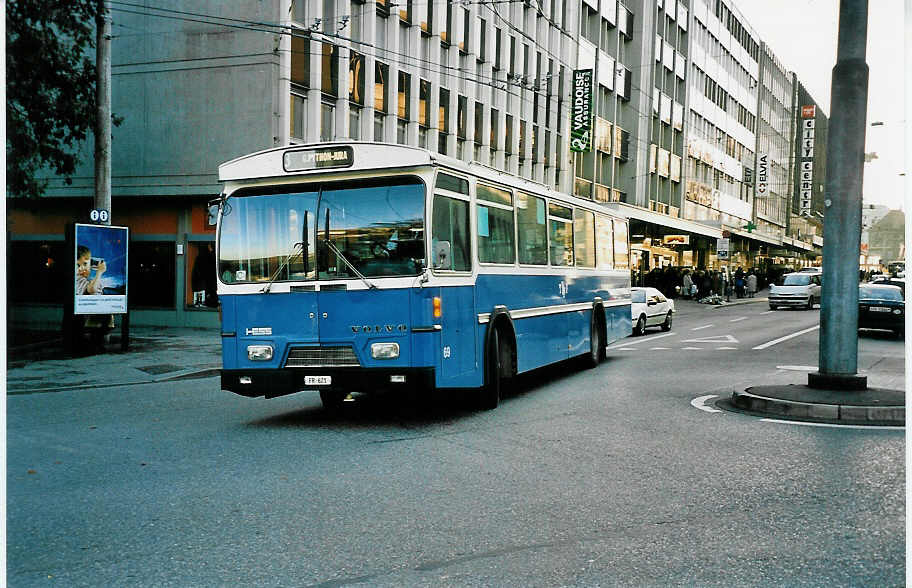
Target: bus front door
[(457, 337)]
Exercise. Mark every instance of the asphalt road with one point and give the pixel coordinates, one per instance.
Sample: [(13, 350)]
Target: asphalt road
[(626, 475)]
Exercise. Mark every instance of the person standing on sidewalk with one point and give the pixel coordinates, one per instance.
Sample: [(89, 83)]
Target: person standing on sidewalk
[(687, 285), (751, 284)]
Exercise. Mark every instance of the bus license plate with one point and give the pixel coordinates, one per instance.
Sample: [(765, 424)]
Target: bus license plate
[(317, 380)]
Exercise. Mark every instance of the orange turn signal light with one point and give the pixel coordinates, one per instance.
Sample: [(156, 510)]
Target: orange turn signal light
[(437, 311)]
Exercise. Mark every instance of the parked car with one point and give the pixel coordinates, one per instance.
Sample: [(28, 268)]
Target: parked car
[(798, 289), (811, 270), (650, 308), (881, 306), (888, 281)]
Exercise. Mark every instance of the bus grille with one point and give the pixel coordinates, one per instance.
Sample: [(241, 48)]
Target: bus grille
[(305, 357)]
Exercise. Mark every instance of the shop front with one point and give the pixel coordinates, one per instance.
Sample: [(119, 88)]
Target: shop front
[(659, 241), (171, 260)]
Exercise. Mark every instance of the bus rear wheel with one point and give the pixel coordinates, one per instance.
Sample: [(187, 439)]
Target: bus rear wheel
[(496, 357), (596, 343)]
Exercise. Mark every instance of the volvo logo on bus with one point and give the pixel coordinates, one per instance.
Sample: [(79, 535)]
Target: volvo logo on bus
[(378, 328)]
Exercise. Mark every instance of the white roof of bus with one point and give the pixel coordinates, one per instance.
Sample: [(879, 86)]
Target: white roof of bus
[(269, 164)]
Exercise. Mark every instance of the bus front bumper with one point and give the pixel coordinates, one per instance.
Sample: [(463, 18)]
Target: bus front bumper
[(279, 382)]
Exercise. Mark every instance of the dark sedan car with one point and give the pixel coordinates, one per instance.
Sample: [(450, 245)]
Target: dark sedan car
[(881, 307)]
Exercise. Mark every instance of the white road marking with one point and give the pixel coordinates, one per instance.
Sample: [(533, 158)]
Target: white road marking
[(720, 348), (691, 348), (659, 348), (703, 327), (642, 340), (833, 425), (714, 339), (741, 318), (786, 338), (700, 403), (798, 368), (768, 312)]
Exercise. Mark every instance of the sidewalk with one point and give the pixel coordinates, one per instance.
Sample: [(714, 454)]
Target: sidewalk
[(154, 355)]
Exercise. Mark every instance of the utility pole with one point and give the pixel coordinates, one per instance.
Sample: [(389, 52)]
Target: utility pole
[(842, 220), (103, 118)]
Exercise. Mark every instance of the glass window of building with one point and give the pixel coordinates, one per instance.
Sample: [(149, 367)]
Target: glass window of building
[(300, 60), (42, 268), (356, 78), (381, 87), (152, 274), (330, 69), (201, 282), (424, 102)]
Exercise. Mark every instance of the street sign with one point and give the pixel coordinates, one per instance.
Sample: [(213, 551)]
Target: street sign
[(722, 248), (99, 215)]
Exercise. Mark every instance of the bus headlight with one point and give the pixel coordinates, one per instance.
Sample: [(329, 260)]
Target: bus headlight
[(384, 350), (259, 352)]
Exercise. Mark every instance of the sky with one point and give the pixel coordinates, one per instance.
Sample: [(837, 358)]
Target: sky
[(802, 34)]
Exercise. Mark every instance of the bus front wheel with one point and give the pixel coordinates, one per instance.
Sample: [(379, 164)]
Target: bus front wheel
[(332, 400)]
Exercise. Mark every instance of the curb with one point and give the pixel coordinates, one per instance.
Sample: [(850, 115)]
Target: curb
[(892, 415)]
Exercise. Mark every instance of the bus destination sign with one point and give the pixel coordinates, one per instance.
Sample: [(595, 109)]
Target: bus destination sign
[(324, 157)]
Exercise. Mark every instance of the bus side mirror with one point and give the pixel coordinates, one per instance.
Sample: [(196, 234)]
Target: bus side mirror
[(212, 215), (442, 259)]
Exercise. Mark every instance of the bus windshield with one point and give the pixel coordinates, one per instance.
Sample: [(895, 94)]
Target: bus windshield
[(377, 225)]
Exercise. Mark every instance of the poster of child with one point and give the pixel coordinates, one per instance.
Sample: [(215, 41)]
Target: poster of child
[(100, 280)]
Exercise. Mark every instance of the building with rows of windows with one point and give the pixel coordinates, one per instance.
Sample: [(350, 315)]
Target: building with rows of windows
[(686, 99)]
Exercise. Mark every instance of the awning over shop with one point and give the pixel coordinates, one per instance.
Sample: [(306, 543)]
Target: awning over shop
[(751, 235), (797, 244), (677, 224)]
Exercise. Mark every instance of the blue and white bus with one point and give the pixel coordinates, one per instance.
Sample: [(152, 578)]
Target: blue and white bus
[(358, 267)]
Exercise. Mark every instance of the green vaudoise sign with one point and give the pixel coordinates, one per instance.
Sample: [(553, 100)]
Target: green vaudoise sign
[(581, 112)]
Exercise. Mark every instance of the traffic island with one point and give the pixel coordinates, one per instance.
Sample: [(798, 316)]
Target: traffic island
[(871, 406)]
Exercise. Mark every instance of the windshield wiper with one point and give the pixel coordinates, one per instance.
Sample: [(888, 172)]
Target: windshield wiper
[(340, 255), (295, 252)]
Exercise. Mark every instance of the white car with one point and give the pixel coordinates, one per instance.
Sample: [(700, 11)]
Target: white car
[(650, 308), (800, 289)]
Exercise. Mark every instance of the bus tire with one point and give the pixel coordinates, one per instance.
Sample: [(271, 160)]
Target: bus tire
[(332, 400), (490, 393), (596, 341)]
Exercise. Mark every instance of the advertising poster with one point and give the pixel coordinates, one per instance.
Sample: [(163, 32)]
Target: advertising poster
[(100, 277)]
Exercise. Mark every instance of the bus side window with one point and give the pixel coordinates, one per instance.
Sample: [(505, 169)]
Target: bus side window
[(450, 234), (604, 242), (621, 249), (531, 229), (584, 237), (560, 232), (495, 225)]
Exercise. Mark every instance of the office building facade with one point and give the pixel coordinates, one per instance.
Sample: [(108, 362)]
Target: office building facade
[(673, 140)]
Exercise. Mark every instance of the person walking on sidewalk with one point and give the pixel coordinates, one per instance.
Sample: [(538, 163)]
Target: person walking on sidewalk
[(751, 284)]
